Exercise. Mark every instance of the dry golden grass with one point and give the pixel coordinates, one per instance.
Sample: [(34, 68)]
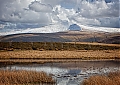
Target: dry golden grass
[(112, 78), (24, 77), (95, 43), (35, 56), (81, 54)]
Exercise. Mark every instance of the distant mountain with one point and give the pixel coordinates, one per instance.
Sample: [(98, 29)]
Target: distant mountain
[(75, 27), (68, 36)]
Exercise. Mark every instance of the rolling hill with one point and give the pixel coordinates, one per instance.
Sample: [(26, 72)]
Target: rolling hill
[(68, 36)]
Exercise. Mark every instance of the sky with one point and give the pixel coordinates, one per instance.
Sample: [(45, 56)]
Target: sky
[(47, 16)]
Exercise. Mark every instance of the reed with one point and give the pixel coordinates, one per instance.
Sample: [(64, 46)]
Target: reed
[(113, 78), (24, 77)]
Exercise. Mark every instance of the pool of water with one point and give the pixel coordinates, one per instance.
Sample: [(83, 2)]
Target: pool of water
[(70, 73)]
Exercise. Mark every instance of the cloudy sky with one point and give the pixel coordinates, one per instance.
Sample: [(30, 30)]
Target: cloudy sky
[(56, 15)]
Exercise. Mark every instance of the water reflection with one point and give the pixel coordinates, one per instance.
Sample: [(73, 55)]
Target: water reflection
[(71, 73)]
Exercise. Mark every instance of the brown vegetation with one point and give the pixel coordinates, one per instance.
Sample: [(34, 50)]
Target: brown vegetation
[(80, 54), (41, 52), (35, 56), (113, 78), (24, 77), (11, 46), (95, 43)]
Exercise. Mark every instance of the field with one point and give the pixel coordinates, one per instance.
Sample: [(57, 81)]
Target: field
[(41, 52)]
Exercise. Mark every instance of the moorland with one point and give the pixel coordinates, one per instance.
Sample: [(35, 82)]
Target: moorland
[(57, 47)]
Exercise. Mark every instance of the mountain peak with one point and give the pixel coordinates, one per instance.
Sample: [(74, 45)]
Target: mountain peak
[(75, 27)]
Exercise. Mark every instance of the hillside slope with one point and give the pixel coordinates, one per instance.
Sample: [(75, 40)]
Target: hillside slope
[(68, 36)]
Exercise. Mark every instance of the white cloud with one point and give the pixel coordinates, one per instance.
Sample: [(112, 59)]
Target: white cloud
[(1, 26), (51, 2), (17, 11), (39, 7), (98, 9), (37, 13), (98, 13)]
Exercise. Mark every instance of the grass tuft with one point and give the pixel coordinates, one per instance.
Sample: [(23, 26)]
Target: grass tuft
[(24, 77), (113, 78)]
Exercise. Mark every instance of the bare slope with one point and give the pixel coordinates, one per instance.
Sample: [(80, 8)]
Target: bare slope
[(69, 36)]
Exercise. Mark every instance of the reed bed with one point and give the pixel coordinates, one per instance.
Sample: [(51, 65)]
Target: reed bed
[(24, 77), (113, 78)]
